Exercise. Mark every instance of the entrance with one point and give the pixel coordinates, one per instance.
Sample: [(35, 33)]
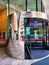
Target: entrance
[(36, 37), (35, 32)]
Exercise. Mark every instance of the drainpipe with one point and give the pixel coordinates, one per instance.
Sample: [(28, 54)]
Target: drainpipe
[(26, 5), (8, 7), (36, 5), (41, 5)]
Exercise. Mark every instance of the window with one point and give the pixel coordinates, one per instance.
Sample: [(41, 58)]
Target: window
[(32, 31), (35, 5), (32, 5), (27, 30), (26, 21)]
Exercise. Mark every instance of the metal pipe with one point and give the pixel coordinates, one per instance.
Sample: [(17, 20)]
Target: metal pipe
[(26, 5), (41, 6), (36, 5), (8, 7)]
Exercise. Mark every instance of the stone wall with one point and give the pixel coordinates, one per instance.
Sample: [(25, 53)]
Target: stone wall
[(15, 50)]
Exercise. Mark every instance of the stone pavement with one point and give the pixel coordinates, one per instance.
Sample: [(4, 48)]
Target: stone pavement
[(6, 60), (10, 54), (17, 52)]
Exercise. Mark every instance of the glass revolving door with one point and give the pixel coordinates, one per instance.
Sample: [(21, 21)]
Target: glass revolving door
[(35, 32), (35, 28), (37, 37)]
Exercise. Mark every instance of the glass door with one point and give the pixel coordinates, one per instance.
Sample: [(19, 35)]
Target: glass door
[(35, 31), (36, 35)]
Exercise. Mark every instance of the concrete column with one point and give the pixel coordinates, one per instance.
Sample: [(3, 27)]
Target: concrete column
[(12, 22), (8, 7)]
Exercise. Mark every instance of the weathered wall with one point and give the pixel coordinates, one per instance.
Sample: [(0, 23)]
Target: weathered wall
[(3, 20)]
